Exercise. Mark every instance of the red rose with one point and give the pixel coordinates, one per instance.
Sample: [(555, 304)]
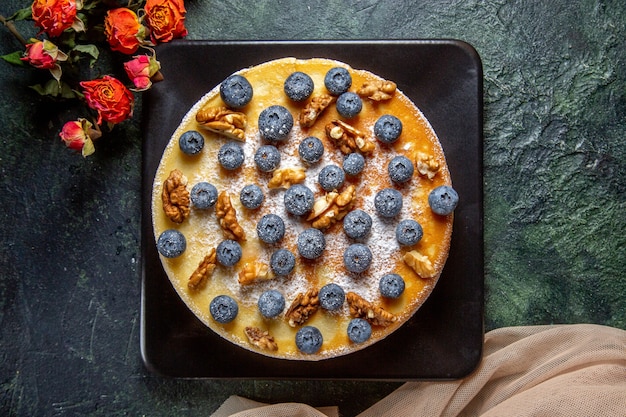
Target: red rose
[(166, 19), (54, 16), (110, 98), (123, 30)]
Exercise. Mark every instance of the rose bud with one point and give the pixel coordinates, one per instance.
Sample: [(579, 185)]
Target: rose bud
[(45, 55), (142, 70), (79, 135)]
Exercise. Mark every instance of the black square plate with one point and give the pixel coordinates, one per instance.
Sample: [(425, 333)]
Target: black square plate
[(443, 340)]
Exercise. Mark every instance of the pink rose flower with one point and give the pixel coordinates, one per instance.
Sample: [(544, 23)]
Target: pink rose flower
[(79, 135), (141, 70), (38, 57)]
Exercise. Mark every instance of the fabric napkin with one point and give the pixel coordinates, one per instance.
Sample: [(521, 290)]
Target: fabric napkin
[(556, 370)]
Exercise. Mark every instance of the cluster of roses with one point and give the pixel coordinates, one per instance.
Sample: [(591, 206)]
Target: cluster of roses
[(126, 31)]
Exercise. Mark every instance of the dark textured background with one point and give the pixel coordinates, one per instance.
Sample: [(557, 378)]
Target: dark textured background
[(555, 169)]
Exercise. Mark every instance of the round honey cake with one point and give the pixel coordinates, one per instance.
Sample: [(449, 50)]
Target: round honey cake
[(303, 209)]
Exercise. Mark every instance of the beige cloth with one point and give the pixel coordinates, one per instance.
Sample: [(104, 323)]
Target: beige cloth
[(567, 370), (236, 406)]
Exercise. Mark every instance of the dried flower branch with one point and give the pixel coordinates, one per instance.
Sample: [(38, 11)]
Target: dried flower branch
[(71, 30), (11, 27)]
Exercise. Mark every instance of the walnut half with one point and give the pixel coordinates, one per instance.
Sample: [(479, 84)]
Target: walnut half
[(361, 308), (426, 165), (302, 307), (420, 264), (332, 207), (377, 90), (227, 216), (204, 270), (313, 109), (286, 177), (223, 121), (260, 338), (347, 138), (175, 197), (254, 272)]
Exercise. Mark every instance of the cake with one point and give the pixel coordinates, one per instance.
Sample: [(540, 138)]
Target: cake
[(303, 209)]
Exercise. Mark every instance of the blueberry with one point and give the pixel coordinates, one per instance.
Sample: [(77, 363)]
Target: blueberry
[(353, 164), (228, 252), (349, 104), (191, 142), (171, 243), (282, 262), (337, 81), (236, 91), (203, 195), (443, 200), (359, 330), (311, 150), (357, 258), (271, 303), (298, 86), (357, 224), (251, 196), (311, 243), (391, 286), (331, 297), (409, 232), (298, 199), (309, 339), (388, 202), (331, 177), (267, 158), (387, 128), (400, 169), (271, 228), (224, 309), (275, 123), (230, 156)]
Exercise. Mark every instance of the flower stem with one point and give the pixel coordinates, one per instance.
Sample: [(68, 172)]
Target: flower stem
[(9, 25)]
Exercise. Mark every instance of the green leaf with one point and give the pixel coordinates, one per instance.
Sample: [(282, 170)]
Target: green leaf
[(66, 91), (67, 39), (51, 88), (22, 14), (54, 89), (88, 148), (39, 88), (14, 58), (89, 49), (88, 5)]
